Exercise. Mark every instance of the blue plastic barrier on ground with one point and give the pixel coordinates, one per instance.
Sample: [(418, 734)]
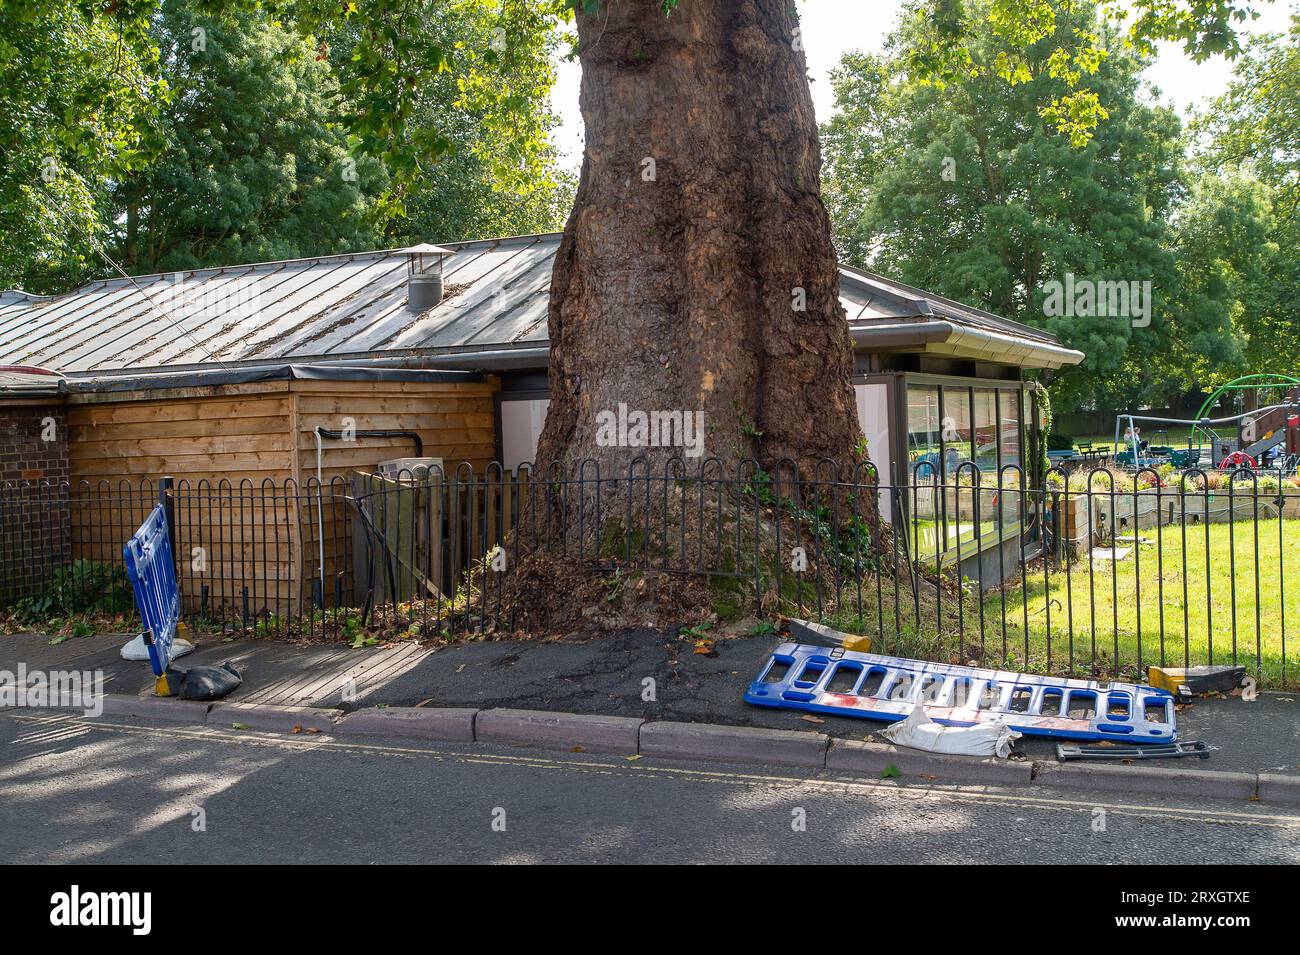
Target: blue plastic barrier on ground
[(152, 570), (842, 682)]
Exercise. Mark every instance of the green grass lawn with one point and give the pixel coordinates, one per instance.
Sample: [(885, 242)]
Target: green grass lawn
[(1241, 607), (1084, 619)]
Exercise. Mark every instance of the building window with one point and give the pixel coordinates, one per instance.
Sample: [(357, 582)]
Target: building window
[(1010, 428), (924, 431), (986, 434), (948, 424), (521, 428), (958, 434)]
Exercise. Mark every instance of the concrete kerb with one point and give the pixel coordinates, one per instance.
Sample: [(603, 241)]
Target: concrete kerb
[(151, 708), (275, 719), (166, 709), (441, 724), (1148, 780), (607, 734), (1279, 789), (740, 744), (745, 744)]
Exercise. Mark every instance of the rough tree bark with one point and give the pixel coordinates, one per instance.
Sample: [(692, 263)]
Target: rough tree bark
[(697, 229)]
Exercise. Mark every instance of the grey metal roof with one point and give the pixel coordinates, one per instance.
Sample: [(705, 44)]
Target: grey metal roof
[(350, 307)]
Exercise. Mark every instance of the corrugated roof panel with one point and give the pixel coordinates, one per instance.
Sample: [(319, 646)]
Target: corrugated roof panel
[(496, 295), (211, 313), (45, 321), (535, 313), (252, 314), (514, 317), (318, 332), (461, 271), (378, 276), (90, 320), (22, 309), (84, 323), (488, 303), (473, 265), (16, 309), (179, 312)]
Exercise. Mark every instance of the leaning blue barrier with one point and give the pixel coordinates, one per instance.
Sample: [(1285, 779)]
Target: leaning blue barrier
[(843, 682), (152, 570)]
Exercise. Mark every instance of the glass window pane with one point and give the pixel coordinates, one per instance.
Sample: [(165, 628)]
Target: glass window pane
[(924, 427), (923, 430), (1031, 431), (1009, 429), (986, 433), (956, 428)]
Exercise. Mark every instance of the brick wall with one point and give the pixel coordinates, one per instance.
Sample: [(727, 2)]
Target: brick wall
[(25, 455), (34, 511)]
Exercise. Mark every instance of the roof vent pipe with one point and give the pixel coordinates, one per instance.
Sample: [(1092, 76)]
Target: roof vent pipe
[(424, 276)]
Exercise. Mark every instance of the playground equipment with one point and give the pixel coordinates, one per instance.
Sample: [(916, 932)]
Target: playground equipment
[(1239, 459), (1262, 431), (1246, 383), (1249, 440)]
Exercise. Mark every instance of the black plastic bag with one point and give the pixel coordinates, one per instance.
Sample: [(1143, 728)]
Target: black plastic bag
[(207, 682)]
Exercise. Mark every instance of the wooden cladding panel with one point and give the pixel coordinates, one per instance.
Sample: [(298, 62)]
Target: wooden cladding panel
[(256, 433), (187, 438), (456, 421)]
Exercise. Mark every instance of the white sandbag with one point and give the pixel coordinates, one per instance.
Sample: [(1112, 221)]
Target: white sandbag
[(918, 731), (136, 650)]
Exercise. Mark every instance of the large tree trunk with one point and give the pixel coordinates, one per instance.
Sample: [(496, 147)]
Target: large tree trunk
[(698, 231)]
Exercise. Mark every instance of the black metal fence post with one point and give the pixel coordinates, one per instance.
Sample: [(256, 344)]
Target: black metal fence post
[(421, 549), (168, 502)]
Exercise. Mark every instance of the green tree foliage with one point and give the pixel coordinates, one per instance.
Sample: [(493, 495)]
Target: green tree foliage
[(78, 88), (456, 105), (266, 156), (1250, 138), (188, 133), (1225, 253), (944, 45), (448, 95), (253, 165), (972, 192), (452, 96)]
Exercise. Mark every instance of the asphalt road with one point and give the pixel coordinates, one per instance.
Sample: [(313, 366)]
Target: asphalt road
[(74, 790)]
